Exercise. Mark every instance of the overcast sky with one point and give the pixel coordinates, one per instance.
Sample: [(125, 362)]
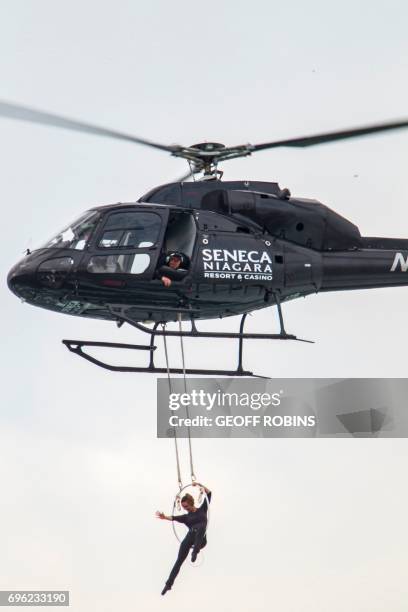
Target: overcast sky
[(296, 524)]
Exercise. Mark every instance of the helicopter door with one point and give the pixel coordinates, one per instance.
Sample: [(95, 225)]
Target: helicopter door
[(128, 244)]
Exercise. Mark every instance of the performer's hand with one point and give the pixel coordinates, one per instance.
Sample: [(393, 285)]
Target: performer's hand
[(160, 515), (166, 281)]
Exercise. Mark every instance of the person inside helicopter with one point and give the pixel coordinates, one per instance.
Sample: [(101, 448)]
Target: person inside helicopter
[(174, 267), (196, 522)]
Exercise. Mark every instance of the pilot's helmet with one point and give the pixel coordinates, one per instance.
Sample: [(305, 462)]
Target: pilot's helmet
[(183, 258)]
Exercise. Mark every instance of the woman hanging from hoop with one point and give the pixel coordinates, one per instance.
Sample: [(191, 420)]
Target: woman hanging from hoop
[(196, 521)]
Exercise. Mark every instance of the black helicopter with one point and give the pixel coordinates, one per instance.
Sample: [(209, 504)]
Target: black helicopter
[(242, 246)]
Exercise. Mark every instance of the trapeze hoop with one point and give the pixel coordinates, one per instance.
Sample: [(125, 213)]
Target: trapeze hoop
[(199, 496)]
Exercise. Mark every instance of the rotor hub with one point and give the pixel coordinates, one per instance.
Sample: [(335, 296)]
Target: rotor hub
[(208, 147)]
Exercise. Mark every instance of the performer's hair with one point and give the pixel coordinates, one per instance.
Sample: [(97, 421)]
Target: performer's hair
[(188, 498)]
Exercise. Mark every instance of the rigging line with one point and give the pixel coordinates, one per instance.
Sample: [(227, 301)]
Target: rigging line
[(180, 483), (193, 478)]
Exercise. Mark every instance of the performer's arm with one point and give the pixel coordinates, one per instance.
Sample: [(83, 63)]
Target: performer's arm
[(163, 516), (198, 484), (207, 493)]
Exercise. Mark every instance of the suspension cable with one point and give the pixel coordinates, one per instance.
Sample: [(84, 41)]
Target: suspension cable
[(180, 483), (193, 478)]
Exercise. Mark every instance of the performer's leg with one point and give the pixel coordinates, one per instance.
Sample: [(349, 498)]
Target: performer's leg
[(181, 557), (199, 542)]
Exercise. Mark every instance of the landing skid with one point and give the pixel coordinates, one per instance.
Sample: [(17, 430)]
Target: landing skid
[(77, 346)]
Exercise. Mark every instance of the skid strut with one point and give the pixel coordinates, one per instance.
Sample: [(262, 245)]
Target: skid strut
[(77, 346)]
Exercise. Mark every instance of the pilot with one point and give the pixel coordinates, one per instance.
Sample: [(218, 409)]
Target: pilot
[(174, 268)]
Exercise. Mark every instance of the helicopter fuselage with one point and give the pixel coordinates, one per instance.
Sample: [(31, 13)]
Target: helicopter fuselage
[(246, 245)]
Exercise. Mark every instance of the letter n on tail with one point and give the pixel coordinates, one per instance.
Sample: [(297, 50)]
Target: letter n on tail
[(399, 260)]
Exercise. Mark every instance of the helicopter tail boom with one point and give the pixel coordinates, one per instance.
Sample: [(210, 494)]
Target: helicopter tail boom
[(365, 268)]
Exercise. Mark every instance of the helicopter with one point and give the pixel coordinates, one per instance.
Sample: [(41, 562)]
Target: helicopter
[(243, 246)]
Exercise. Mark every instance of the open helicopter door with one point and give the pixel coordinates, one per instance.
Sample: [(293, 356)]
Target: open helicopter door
[(127, 245)]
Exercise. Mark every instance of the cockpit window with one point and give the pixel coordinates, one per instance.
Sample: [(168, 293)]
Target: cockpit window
[(76, 235), (135, 230)]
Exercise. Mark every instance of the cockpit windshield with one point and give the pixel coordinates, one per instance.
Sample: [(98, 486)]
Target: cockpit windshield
[(75, 235)]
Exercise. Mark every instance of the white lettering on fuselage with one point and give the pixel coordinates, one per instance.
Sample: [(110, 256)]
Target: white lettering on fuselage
[(236, 255), (237, 264), (399, 260)]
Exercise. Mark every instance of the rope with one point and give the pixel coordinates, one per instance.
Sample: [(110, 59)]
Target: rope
[(180, 483), (176, 503), (193, 478)]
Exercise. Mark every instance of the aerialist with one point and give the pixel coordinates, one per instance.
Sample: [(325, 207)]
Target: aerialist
[(196, 521)]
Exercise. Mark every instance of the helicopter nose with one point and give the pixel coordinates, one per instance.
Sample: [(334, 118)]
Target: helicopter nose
[(39, 271), (18, 277)]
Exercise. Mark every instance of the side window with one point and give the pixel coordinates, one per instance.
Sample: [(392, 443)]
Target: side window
[(130, 230), (119, 264)]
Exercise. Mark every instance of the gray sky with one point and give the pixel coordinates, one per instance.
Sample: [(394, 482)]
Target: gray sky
[(296, 524)]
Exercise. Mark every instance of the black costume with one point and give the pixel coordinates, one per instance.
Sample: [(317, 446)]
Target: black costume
[(196, 538)]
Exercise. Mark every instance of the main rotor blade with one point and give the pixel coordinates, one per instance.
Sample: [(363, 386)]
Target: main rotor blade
[(309, 141), (14, 111)]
